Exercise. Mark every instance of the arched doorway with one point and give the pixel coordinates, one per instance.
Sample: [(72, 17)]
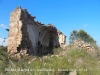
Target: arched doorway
[(51, 42)]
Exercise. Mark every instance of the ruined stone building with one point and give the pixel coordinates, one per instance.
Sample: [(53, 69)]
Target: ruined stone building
[(27, 34)]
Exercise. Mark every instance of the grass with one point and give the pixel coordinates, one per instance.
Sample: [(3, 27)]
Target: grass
[(57, 64)]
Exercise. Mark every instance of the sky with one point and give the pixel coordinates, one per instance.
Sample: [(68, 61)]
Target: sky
[(66, 15)]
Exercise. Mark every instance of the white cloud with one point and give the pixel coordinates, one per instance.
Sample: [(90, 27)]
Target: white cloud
[(85, 25), (3, 43), (3, 26)]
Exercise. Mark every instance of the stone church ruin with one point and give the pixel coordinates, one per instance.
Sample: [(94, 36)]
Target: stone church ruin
[(29, 36)]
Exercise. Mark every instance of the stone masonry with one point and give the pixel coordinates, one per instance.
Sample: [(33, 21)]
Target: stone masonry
[(32, 37), (83, 45)]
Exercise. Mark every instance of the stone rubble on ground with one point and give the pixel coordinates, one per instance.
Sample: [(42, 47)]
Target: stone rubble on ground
[(83, 45)]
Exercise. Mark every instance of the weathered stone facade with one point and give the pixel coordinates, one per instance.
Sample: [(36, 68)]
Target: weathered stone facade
[(27, 34)]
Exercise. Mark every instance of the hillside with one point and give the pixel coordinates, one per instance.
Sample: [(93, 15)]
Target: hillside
[(62, 62)]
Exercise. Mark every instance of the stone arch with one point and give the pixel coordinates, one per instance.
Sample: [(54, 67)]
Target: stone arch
[(48, 35)]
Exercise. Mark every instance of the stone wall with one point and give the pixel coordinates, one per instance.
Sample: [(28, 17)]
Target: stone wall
[(83, 45), (30, 36)]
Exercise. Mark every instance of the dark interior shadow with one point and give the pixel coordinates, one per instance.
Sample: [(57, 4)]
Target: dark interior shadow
[(50, 37)]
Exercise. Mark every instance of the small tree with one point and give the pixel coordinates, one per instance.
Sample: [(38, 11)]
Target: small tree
[(73, 36), (82, 35)]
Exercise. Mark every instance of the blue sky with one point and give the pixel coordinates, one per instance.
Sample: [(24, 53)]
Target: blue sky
[(66, 15)]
